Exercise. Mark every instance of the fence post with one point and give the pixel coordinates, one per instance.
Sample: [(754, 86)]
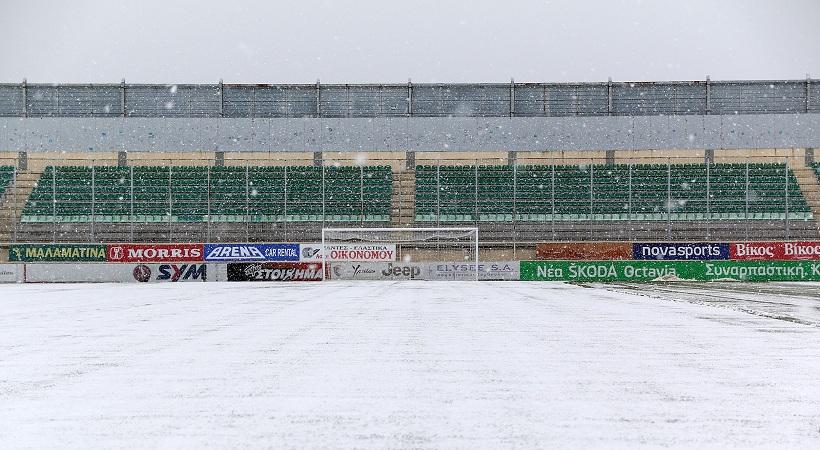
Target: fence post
[(286, 204), (54, 203), (93, 200), (552, 198), (247, 204), (208, 204), (708, 199), (170, 206), (629, 201), (668, 199), (786, 215), (746, 203), (131, 217)]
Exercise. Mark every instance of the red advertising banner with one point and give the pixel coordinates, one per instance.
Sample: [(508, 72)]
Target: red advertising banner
[(780, 251), (155, 252), (601, 251)]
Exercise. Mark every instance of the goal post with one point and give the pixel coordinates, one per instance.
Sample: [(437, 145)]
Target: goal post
[(405, 248)]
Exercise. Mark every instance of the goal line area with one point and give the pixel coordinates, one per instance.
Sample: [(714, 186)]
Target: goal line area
[(399, 253)]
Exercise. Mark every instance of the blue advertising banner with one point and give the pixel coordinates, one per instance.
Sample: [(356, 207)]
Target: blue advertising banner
[(699, 251), (251, 252)]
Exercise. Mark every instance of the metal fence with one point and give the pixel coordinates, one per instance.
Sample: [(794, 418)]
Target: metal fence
[(632, 197), (410, 100)]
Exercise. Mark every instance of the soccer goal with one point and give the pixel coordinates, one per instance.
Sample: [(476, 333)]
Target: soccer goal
[(400, 253)]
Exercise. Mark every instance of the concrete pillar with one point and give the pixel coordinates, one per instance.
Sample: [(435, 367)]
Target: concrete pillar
[(809, 157), (511, 157), (610, 157), (122, 159), (219, 159), (709, 156), (410, 160), (317, 159), (22, 161)]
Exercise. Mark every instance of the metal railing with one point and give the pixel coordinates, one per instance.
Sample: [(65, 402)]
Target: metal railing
[(410, 100)]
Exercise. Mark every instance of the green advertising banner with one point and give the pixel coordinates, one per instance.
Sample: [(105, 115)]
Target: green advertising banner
[(670, 270), (57, 252)]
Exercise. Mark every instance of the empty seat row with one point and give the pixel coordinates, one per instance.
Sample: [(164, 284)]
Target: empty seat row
[(217, 194), (615, 192)]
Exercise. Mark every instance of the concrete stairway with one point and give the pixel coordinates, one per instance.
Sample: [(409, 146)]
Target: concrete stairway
[(402, 208), (810, 188), (14, 201)]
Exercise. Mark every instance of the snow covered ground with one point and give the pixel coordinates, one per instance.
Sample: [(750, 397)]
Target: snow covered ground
[(397, 365)]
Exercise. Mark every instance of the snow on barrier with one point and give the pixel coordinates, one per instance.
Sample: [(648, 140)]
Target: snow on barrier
[(604, 271), (116, 273)]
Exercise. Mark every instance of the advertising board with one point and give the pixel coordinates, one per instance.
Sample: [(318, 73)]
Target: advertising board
[(155, 253), (57, 252), (697, 251), (115, 273), (360, 252), (11, 273), (783, 251), (604, 271), (583, 251), (487, 271), (310, 252), (274, 271), (251, 252), (376, 271)]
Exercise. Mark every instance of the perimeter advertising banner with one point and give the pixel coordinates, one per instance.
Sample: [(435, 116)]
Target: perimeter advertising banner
[(584, 250), (788, 251), (360, 252), (57, 252), (487, 271), (310, 252), (155, 253), (698, 251), (604, 271), (251, 252), (376, 271), (115, 273), (274, 271)]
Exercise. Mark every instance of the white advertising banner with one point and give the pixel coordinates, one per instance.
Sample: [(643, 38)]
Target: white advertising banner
[(360, 252), (375, 271), (487, 271), (115, 273), (310, 252), (11, 273)]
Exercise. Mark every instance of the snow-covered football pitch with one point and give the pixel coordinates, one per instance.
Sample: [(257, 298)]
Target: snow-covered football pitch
[(409, 365)]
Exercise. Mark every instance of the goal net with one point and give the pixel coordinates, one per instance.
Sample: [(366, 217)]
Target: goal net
[(400, 253)]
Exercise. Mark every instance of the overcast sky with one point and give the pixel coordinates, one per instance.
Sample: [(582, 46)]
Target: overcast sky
[(164, 41)]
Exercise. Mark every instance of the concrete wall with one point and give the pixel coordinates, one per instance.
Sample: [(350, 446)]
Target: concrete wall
[(472, 134)]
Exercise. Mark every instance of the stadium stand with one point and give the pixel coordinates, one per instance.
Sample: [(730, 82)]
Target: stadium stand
[(608, 192), (144, 194)]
